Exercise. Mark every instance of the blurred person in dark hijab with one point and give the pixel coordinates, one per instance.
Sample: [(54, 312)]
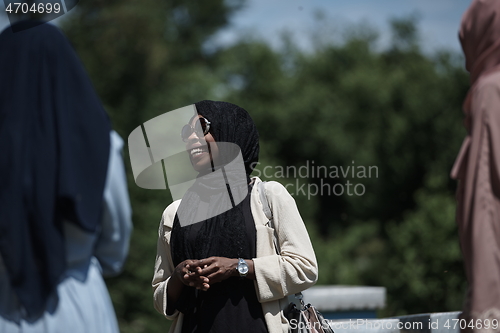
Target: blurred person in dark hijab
[(64, 207), (478, 165)]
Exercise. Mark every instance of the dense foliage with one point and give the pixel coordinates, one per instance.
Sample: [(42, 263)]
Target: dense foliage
[(394, 113)]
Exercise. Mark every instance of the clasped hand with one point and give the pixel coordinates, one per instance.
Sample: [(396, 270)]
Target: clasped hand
[(205, 272)]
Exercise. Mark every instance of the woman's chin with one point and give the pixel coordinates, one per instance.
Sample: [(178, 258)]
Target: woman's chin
[(201, 162)]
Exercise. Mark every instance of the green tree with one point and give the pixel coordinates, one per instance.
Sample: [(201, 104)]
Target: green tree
[(145, 58), (343, 104), (347, 104)]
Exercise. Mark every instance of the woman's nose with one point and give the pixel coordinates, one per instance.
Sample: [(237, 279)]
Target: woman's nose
[(193, 136)]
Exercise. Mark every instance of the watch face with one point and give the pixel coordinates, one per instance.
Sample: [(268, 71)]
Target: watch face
[(243, 269)]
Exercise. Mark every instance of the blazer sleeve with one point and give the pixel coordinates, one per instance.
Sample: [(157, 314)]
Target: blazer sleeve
[(163, 263), (295, 268)]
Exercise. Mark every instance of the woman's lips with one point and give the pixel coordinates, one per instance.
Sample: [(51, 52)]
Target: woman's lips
[(198, 152)]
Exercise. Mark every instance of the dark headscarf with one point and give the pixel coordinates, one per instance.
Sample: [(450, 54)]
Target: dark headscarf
[(230, 123), (54, 141), (223, 234)]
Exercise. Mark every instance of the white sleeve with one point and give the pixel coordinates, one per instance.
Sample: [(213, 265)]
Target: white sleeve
[(113, 243)]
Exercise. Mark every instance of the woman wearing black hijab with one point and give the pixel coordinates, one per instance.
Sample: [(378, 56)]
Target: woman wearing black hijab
[(217, 270), (56, 236)]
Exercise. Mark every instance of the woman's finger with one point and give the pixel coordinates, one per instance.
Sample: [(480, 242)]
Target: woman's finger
[(209, 261), (197, 280), (202, 262), (208, 270), (215, 277)]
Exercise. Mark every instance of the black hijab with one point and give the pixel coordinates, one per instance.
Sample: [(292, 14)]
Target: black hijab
[(54, 141), (223, 234)]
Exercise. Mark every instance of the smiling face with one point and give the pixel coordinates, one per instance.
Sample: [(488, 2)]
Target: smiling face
[(199, 153)]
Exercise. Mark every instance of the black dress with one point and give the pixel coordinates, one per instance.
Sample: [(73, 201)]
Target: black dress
[(228, 306)]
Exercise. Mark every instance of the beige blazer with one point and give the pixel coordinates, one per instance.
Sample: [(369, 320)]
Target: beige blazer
[(277, 276)]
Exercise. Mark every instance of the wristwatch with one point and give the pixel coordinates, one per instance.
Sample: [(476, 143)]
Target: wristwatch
[(242, 267)]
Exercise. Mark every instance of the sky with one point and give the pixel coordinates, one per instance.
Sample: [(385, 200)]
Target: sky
[(438, 22), (268, 19)]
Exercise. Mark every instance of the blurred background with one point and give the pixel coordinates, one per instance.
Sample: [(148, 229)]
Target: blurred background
[(364, 83)]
